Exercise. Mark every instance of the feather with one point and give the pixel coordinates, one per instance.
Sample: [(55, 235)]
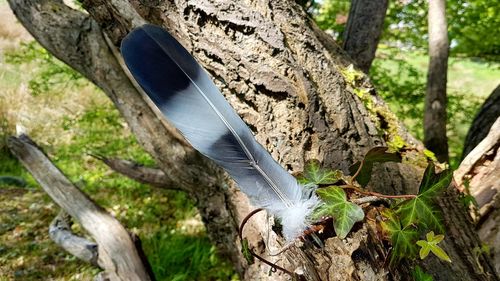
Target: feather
[(184, 93)]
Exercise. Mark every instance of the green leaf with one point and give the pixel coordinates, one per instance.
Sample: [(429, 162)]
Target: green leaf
[(319, 176), (344, 213), (402, 238), (433, 183), (421, 210), (374, 155), (245, 250), (430, 245), (420, 275)]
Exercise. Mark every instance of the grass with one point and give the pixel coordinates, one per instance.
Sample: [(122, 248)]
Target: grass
[(70, 121)]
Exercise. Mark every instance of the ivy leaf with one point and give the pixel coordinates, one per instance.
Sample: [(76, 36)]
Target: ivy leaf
[(420, 275), (344, 213), (402, 238), (319, 176), (245, 250), (421, 209), (374, 155), (431, 246), (433, 183)]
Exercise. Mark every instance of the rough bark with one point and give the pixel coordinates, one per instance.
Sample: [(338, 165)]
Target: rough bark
[(489, 112), (117, 252), (478, 173), (364, 27), (435, 138), (282, 75)]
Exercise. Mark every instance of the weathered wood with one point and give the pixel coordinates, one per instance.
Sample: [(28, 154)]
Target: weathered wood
[(363, 30), (60, 232), (435, 138), (479, 171), (140, 173), (283, 76), (117, 253)]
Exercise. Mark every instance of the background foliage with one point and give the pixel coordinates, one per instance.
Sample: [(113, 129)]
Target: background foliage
[(400, 68)]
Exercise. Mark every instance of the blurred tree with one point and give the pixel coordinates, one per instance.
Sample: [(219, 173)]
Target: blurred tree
[(435, 137), (472, 25), (364, 27)]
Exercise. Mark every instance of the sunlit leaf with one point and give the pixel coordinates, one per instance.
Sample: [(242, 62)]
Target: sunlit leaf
[(319, 176), (430, 245), (374, 155), (344, 213)]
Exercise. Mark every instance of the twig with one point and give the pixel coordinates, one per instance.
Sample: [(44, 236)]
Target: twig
[(357, 172), (135, 171), (368, 199), (240, 233), (60, 232), (372, 193)]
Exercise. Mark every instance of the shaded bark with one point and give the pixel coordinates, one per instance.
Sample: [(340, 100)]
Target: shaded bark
[(435, 138), (363, 30), (283, 76), (117, 253), (489, 112)]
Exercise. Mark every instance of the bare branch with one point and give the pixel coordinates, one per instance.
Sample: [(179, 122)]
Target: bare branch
[(118, 254), (140, 173), (60, 232)]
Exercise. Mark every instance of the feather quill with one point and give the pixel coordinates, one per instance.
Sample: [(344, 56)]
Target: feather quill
[(188, 98)]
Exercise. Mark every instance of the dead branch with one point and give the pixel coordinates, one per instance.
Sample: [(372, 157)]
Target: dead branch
[(60, 232), (140, 173), (117, 253)]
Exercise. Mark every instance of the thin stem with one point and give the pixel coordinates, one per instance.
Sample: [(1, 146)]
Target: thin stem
[(372, 193), (358, 171), (240, 233)]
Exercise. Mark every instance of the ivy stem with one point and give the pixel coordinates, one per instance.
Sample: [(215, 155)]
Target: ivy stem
[(357, 172), (372, 193), (240, 233)]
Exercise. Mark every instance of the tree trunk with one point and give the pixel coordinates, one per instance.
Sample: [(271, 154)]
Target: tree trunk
[(489, 112), (284, 77), (364, 27), (435, 137)]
